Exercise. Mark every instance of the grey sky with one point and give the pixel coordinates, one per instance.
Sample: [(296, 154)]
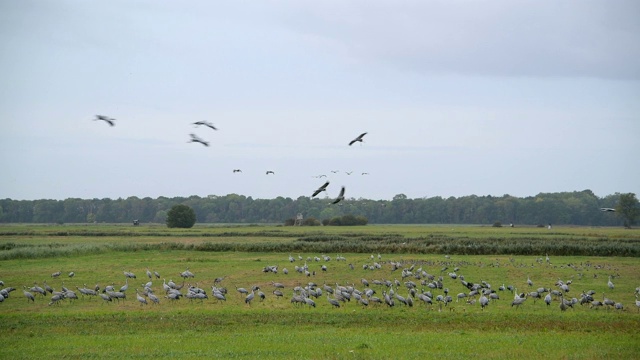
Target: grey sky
[(457, 97)]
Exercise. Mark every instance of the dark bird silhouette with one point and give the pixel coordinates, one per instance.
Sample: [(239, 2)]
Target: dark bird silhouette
[(607, 209), (358, 139), (270, 172), (108, 120), (348, 172), (237, 170), (208, 124), (365, 173), (320, 189), (340, 196), (195, 138)]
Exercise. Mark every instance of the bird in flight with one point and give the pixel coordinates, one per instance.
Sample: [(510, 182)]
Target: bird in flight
[(335, 171), (110, 121), (237, 170), (348, 172), (195, 138), (198, 123), (340, 196), (359, 138), (365, 173), (607, 209), (270, 172), (320, 189)]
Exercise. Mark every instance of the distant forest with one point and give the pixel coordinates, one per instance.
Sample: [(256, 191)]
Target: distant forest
[(568, 208)]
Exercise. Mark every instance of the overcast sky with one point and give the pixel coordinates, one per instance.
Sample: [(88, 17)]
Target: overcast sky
[(457, 97)]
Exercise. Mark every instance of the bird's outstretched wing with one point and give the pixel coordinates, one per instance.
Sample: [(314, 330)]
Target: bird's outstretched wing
[(359, 138), (320, 189), (109, 120), (340, 196), (195, 138), (205, 123)]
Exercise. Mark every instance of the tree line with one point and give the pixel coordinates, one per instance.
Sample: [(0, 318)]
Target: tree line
[(574, 208)]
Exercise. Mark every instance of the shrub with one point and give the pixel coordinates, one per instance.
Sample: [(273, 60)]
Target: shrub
[(311, 221), (497, 224), (181, 216)]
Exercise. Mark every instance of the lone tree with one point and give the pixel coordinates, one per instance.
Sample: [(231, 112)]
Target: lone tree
[(181, 216), (628, 209)]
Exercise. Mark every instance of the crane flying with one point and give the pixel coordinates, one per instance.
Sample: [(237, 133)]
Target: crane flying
[(320, 189), (108, 120), (205, 123), (340, 196), (195, 138), (358, 139), (607, 209)]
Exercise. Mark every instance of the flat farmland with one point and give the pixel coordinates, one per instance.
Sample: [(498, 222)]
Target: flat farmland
[(419, 261)]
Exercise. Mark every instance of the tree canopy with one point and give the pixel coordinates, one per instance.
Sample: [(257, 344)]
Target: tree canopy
[(628, 209), (575, 208), (181, 216)]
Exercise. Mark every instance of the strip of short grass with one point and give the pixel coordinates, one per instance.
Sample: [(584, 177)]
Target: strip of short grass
[(302, 333)]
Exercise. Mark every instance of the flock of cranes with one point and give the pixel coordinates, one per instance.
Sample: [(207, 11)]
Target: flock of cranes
[(196, 139), (430, 284)]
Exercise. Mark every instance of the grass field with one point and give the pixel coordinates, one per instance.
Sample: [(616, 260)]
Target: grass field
[(276, 328)]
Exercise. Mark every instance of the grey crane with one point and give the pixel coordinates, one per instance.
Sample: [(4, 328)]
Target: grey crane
[(72, 274), (242, 291), (157, 274), (55, 298), (310, 302), (563, 305), (484, 301), (219, 296), (608, 302), (610, 283), (333, 302), (56, 274), (340, 196), (141, 299), (195, 138), (28, 295), (270, 172), (149, 275), (47, 288), (108, 120), (37, 289), (357, 139), (547, 299), (607, 209), (154, 299), (322, 188), (125, 287), (205, 123), (187, 274), (517, 302), (237, 170)]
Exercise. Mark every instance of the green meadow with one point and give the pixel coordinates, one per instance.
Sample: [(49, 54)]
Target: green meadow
[(276, 328)]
